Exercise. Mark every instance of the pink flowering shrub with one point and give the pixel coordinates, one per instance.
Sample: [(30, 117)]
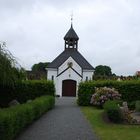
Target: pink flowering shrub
[(104, 94)]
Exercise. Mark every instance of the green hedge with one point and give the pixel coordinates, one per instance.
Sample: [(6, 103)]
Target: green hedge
[(85, 92), (6, 95), (113, 111), (14, 119), (32, 89), (130, 90), (26, 90)]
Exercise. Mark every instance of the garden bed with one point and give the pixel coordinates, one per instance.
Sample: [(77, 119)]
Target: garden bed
[(107, 130)]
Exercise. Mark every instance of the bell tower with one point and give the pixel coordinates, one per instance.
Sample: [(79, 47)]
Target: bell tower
[(71, 39)]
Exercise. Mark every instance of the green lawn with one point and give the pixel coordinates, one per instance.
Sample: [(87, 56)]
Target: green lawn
[(110, 131)]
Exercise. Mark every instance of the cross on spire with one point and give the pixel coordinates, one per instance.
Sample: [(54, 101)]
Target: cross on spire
[(71, 17)]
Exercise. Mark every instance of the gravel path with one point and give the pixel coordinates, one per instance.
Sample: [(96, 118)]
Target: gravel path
[(64, 122)]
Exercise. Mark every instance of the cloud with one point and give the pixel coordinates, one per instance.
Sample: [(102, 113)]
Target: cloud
[(109, 31)]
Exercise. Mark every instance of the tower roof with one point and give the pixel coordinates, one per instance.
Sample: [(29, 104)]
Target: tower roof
[(71, 34)]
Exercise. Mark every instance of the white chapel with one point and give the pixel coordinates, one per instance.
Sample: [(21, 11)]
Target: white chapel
[(69, 68)]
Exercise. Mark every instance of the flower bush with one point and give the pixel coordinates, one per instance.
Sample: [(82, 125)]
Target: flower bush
[(104, 94)]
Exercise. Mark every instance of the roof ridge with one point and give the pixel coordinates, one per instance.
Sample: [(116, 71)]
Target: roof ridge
[(76, 55)]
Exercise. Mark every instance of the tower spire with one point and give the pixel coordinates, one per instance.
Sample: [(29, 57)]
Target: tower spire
[(71, 38), (71, 18)]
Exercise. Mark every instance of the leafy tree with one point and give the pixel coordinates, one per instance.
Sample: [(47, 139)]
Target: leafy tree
[(10, 70), (38, 71), (103, 72), (40, 67)]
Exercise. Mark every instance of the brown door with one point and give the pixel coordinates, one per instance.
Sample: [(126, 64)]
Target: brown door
[(69, 88)]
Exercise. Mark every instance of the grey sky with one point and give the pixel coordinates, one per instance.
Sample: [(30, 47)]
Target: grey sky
[(109, 31)]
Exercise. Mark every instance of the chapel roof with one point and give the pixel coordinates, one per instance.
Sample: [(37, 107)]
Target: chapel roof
[(58, 61)]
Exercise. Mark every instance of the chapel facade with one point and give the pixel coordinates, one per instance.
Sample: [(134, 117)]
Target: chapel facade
[(69, 68)]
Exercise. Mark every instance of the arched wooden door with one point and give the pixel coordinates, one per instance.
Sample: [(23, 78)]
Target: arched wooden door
[(69, 88)]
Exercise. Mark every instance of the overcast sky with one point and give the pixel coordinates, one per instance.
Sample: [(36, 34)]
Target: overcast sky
[(109, 31)]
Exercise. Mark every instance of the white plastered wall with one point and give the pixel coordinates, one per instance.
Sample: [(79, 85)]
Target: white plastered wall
[(67, 75), (88, 74)]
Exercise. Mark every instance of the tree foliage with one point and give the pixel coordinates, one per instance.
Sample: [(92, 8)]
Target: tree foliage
[(10, 70), (40, 67), (38, 71), (103, 72)]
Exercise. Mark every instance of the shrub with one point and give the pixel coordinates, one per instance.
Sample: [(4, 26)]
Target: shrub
[(14, 119), (138, 106), (131, 105), (113, 111), (104, 94), (25, 90), (129, 90)]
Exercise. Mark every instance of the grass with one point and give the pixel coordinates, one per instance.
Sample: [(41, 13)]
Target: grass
[(109, 131)]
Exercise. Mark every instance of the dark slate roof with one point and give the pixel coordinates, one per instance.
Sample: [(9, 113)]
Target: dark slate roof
[(75, 55), (71, 34)]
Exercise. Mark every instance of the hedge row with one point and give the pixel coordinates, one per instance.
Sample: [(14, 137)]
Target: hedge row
[(26, 90), (85, 92), (130, 90), (14, 119)]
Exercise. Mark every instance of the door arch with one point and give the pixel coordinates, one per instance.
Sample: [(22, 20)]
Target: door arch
[(69, 88)]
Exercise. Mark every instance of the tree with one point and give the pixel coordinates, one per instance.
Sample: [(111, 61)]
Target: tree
[(102, 72), (40, 67), (38, 71), (10, 70)]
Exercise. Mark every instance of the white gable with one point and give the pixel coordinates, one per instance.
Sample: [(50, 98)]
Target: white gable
[(75, 66)]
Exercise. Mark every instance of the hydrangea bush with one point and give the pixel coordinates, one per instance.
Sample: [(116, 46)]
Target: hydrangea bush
[(104, 94)]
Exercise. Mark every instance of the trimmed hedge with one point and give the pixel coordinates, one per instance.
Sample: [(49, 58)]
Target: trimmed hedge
[(14, 119), (6, 95), (32, 89), (130, 90), (26, 90), (85, 92), (113, 111)]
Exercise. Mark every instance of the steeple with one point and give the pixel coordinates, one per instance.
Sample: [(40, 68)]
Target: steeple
[(71, 38)]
